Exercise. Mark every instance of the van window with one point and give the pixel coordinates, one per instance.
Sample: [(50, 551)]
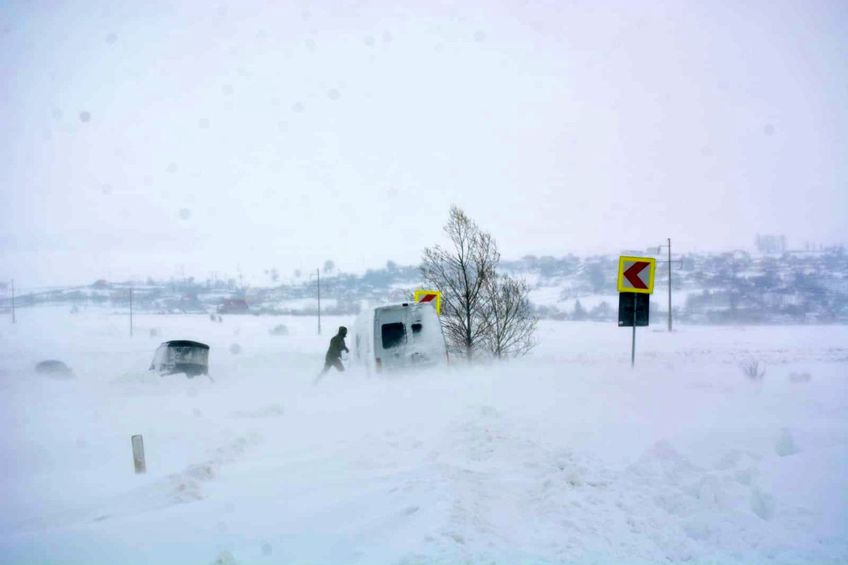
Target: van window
[(394, 334)]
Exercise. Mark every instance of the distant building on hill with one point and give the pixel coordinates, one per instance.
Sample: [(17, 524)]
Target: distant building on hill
[(771, 244), (233, 306)]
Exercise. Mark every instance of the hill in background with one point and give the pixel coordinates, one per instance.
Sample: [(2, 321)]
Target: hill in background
[(732, 287)]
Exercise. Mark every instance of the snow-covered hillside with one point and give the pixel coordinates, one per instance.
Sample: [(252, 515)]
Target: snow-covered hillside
[(565, 456), (717, 288)]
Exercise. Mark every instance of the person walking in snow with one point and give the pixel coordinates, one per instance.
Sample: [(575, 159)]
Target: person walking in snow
[(333, 358)]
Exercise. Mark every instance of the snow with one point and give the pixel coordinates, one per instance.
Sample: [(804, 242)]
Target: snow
[(568, 455), (305, 303), (566, 301), (589, 301), (545, 295)]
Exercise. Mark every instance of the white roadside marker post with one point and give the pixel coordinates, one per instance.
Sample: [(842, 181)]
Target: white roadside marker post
[(138, 454)]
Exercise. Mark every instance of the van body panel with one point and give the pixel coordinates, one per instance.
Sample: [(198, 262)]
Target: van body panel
[(399, 336)]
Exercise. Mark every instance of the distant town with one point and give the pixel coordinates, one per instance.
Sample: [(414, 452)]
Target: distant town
[(773, 285)]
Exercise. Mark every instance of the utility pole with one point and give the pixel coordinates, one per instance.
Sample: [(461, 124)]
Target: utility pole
[(658, 251), (669, 284), (318, 271), (131, 311), (13, 301)]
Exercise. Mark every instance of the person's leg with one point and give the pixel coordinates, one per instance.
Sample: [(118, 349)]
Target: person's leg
[(323, 372), (338, 365)]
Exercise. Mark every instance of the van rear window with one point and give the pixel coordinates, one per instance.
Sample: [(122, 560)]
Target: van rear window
[(393, 334)]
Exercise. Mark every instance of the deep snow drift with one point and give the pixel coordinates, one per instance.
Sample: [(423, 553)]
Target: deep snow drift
[(566, 456)]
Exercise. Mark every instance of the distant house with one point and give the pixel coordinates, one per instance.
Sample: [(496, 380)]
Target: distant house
[(233, 306), (771, 244), (189, 302)]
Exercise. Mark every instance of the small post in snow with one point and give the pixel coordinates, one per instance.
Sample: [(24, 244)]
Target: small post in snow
[(138, 454), (131, 311)]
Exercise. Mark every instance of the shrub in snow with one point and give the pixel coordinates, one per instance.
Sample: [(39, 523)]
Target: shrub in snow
[(800, 377), (201, 471), (753, 369), (225, 558), (786, 444), (280, 329), (54, 368), (762, 504)]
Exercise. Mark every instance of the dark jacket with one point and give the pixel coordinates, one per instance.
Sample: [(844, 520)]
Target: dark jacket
[(337, 345)]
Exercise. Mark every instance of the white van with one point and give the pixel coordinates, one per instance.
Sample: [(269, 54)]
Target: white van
[(399, 336)]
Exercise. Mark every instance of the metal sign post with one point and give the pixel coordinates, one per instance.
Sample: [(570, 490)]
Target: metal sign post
[(669, 284), (633, 346), (635, 285)]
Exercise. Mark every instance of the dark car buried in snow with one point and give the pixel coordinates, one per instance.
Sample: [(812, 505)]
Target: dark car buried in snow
[(181, 356)]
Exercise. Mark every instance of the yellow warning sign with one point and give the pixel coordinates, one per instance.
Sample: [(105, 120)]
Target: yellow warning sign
[(636, 274), (433, 297)]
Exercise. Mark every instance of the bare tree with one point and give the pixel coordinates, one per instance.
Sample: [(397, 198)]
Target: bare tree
[(508, 317), (460, 271)]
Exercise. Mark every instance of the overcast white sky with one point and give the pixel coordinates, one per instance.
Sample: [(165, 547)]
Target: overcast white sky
[(153, 138)]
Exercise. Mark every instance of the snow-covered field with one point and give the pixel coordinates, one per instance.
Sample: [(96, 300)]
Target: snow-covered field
[(565, 456)]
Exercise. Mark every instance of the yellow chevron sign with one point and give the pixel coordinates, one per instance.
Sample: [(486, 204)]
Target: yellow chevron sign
[(636, 274), (433, 297)]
